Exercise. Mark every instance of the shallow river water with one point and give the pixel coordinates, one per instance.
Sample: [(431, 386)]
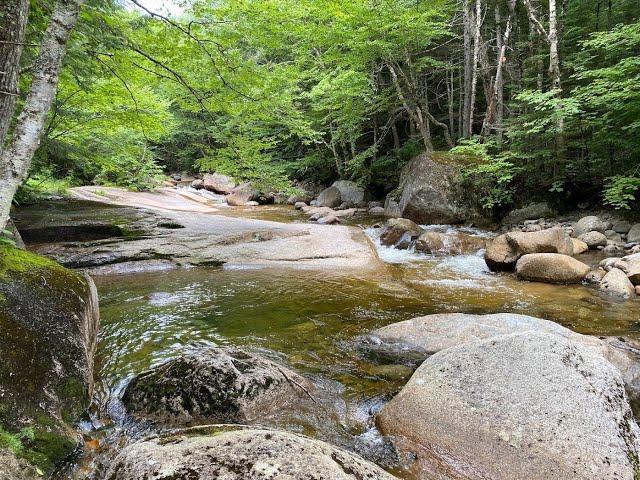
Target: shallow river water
[(312, 322)]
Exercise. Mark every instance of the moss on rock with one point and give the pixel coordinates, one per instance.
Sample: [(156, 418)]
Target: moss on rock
[(48, 326)]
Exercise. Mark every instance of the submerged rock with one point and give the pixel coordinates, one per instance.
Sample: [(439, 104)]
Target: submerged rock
[(505, 250), (526, 405), (49, 323), (240, 455), (224, 385), (551, 268)]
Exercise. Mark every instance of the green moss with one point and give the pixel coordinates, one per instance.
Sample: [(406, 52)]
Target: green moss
[(15, 260)]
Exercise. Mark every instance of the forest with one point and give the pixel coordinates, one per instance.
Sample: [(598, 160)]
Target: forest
[(538, 100)]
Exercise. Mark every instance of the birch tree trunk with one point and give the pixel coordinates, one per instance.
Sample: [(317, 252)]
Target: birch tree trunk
[(476, 55), (13, 22), (16, 158), (465, 94)]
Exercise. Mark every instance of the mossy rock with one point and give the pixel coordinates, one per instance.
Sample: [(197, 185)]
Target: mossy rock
[(48, 325)]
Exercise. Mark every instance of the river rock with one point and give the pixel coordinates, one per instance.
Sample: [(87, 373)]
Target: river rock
[(218, 183), (579, 246), (418, 338), (613, 236), (505, 250), (622, 227), (616, 283), (588, 224), (328, 220), (530, 212), (595, 276), (197, 184), (224, 385), (527, 405), (593, 239), (49, 323), (634, 234), (430, 192), (457, 243), (399, 231), (242, 194), (350, 192), (329, 197), (377, 211), (631, 266), (240, 455), (551, 268), (300, 205)]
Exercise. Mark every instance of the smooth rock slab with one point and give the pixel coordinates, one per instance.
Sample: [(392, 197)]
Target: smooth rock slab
[(240, 455), (520, 406), (224, 385)]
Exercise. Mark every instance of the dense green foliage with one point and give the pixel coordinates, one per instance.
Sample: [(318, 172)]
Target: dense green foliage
[(273, 91)]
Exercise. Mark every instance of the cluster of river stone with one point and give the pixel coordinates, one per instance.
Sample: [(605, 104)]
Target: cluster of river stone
[(541, 251)]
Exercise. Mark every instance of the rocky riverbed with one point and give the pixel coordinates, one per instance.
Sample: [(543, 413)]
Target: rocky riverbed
[(278, 329)]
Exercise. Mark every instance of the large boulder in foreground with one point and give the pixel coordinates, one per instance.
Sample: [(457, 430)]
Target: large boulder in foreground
[(418, 338), (430, 192), (218, 183), (240, 455), (551, 268), (49, 323), (216, 385), (527, 405), (504, 251)]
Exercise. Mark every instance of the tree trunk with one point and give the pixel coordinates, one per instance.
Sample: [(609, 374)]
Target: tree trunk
[(16, 158), (493, 117), (554, 73), (13, 22), (476, 55), (415, 113), (467, 21)]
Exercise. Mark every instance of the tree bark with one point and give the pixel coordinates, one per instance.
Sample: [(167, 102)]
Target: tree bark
[(476, 55), (493, 117), (415, 113), (13, 22), (16, 158), (467, 20)]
